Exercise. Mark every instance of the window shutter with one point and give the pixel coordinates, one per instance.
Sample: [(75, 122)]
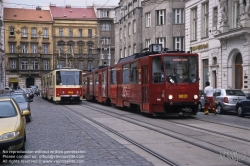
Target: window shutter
[(174, 13), (173, 43), (182, 16)]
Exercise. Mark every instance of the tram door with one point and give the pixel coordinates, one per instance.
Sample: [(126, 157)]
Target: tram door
[(145, 88), (119, 88)]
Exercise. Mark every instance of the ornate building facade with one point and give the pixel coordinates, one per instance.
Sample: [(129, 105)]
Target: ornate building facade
[(74, 31), (218, 32), (28, 46)]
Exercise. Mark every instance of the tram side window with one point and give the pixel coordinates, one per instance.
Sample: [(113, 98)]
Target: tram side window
[(58, 78), (96, 79), (50, 79), (134, 72), (113, 76), (84, 80), (103, 77), (90, 80), (157, 70), (125, 73)]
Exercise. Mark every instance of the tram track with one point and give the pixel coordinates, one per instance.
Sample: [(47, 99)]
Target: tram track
[(157, 155), (200, 145)]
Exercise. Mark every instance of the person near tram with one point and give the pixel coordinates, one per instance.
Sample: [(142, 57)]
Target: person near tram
[(209, 99)]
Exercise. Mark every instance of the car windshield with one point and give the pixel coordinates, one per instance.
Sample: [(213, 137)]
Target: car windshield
[(7, 109), (235, 93)]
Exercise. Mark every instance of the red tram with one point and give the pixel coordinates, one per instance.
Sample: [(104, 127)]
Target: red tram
[(62, 85), (151, 82)]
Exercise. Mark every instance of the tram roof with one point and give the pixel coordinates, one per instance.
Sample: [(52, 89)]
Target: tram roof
[(135, 56)]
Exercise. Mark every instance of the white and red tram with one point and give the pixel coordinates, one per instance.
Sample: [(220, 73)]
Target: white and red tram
[(62, 85)]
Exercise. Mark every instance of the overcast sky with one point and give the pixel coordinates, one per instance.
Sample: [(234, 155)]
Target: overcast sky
[(45, 3)]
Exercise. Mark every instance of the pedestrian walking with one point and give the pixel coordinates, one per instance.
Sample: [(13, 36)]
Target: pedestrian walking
[(209, 99)]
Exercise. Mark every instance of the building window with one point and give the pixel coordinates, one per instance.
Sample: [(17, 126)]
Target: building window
[(89, 65), (80, 49), (33, 32), (129, 51), (205, 71), (105, 27), (45, 33), (105, 13), (12, 48), (24, 65), (235, 14), (215, 17), (61, 49), (161, 41), (34, 49), (125, 52), (178, 16), (90, 49), (79, 32), (204, 25), (148, 19), (134, 26), (34, 65), (160, 17), (24, 48), (90, 33), (71, 49), (80, 65), (134, 48), (61, 32), (13, 64), (178, 43), (147, 43), (121, 53), (121, 34), (46, 65), (124, 31), (45, 49), (24, 32), (129, 29), (194, 24), (106, 40), (70, 32), (12, 31)]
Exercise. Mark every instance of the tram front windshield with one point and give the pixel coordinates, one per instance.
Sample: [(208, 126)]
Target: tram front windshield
[(181, 69), (68, 78)]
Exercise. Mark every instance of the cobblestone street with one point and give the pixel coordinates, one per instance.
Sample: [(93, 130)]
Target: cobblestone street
[(55, 131)]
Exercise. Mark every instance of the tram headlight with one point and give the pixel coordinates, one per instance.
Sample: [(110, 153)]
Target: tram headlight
[(195, 97), (63, 92), (170, 97), (77, 92)]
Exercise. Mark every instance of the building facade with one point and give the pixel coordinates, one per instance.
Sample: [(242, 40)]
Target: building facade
[(28, 46), (2, 53), (218, 32), (106, 34), (74, 31), (128, 28), (164, 23)]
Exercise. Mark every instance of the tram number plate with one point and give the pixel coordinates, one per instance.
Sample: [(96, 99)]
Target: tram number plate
[(183, 96), (70, 92)]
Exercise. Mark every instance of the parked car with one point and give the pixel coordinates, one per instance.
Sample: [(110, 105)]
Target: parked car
[(22, 101), (35, 90), (243, 107), (227, 99), (12, 128)]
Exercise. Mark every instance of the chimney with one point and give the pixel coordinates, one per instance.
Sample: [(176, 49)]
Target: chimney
[(68, 6), (54, 5), (38, 8)]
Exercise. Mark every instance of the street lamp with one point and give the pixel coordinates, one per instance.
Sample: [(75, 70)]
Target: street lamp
[(101, 56)]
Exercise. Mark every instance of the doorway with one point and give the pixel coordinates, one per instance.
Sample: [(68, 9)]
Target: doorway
[(238, 72), (30, 81)]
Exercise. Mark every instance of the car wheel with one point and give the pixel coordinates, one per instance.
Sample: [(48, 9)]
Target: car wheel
[(199, 107), (219, 109), (240, 111), (28, 118)]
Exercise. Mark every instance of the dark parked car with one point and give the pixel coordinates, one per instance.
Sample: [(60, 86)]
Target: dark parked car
[(243, 107)]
